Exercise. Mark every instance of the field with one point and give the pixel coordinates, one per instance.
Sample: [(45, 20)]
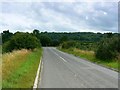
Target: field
[(19, 68), (90, 56)]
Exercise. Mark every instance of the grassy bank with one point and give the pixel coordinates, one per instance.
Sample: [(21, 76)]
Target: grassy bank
[(0, 66), (19, 68), (89, 55)]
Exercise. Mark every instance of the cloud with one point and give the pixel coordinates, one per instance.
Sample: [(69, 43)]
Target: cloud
[(59, 16)]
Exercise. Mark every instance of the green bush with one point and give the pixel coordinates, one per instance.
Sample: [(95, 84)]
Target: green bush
[(86, 46), (108, 48), (21, 40), (79, 45), (68, 44)]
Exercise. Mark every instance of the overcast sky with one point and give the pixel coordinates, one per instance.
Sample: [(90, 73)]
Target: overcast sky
[(59, 16)]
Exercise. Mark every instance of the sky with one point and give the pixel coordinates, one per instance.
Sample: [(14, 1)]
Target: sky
[(71, 16)]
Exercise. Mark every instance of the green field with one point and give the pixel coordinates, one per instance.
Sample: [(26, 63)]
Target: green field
[(20, 68), (90, 56)]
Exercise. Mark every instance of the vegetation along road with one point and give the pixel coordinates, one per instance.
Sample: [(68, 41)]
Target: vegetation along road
[(21, 53), (62, 70)]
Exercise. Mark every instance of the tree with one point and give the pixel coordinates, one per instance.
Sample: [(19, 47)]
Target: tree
[(63, 39), (35, 32), (55, 43), (20, 41), (45, 40), (109, 35), (6, 35)]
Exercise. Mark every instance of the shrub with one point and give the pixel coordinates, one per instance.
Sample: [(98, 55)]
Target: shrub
[(68, 44), (21, 40), (108, 48)]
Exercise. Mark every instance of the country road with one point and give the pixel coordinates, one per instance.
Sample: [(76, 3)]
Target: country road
[(62, 70)]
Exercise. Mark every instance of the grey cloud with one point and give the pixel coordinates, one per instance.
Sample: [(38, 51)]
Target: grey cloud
[(66, 16)]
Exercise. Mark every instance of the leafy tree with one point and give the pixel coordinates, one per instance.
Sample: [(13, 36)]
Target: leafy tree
[(35, 32), (109, 35), (45, 40), (21, 40), (6, 35)]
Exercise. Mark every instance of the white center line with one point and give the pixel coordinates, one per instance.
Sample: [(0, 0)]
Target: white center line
[(63, 59), (59, 56)]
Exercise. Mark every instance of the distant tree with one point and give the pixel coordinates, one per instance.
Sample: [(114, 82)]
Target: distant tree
[(63, 39), (99, 33), (35, 32), (77, 36), (109, 35), (6, 35), (45, 40), (55, 43)]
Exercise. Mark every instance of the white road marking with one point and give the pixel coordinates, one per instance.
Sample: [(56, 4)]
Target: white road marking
[(63, 59), (59, 56), (37, 76), (41, 72)]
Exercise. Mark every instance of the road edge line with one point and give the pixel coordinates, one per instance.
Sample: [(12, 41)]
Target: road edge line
[(37, 75)]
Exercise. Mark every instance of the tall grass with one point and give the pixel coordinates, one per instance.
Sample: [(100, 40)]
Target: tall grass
[(90, 56), (19, 68), (0, 66)]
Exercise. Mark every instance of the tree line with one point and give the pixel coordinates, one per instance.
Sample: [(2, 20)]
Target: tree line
[(105, 45), (55, 38)]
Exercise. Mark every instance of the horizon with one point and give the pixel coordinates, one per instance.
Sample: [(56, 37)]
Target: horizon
[(58, 32)]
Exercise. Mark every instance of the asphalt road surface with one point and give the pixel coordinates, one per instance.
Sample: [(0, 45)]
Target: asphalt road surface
[(62, 70)]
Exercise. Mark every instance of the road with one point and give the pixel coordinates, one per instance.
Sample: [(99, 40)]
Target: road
[(62, 70)]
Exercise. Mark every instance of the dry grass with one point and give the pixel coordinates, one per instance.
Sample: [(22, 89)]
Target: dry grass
[(12, 60), (85, 52), (20, 67), (0, 66)]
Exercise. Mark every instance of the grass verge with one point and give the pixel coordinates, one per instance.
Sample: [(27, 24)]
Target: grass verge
[(19, 68), (90, 56), (0, 66)]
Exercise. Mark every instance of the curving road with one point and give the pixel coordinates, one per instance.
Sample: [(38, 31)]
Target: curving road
[(62, 70)]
